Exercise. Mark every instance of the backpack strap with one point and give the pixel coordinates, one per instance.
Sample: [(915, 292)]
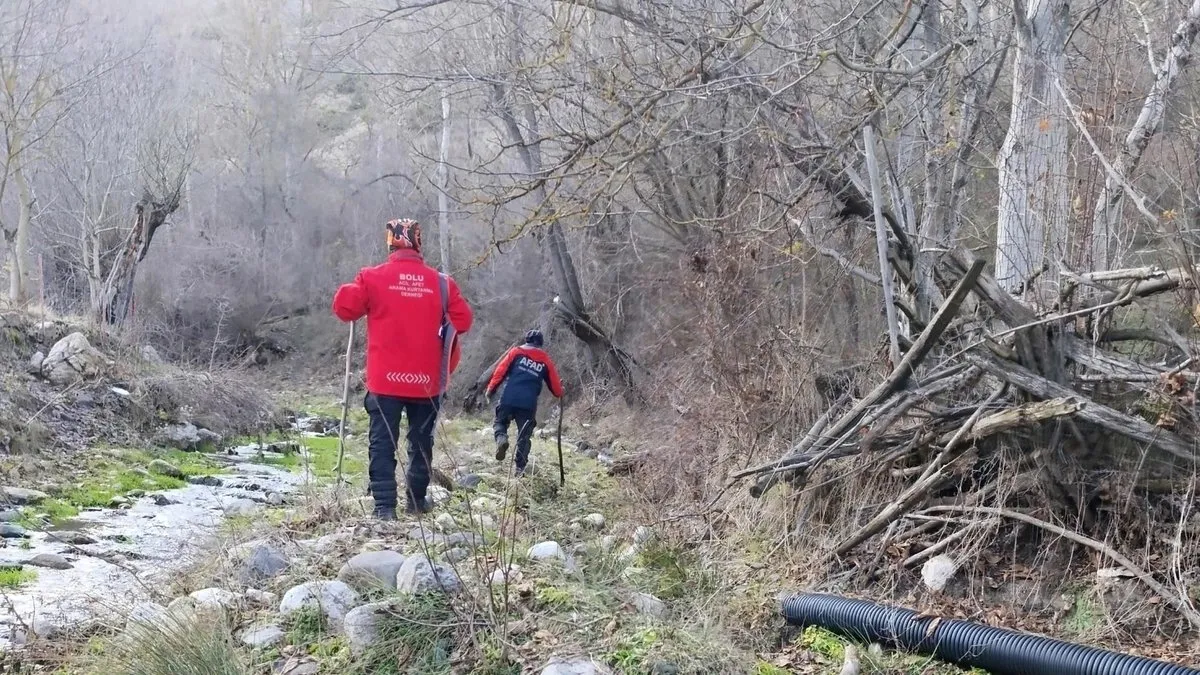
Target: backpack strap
[(446, 333)]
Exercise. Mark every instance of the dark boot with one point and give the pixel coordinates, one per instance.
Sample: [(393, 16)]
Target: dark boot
[(422, 506), (386, 513), (501, 448)]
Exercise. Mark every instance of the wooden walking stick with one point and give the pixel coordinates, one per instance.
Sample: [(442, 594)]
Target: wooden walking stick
[(562, 473), (345, 408)]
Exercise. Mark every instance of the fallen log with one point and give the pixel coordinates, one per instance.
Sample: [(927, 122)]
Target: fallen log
[(1101, 415)]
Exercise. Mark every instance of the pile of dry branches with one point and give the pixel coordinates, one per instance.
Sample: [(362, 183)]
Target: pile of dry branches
[(988, 373)]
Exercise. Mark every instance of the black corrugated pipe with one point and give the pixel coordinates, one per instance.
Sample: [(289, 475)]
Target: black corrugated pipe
[(963, 643)]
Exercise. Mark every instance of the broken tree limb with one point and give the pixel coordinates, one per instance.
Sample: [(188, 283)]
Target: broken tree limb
[(930, 551), (1103, 416), (881, 244), (805, 457), (1176, 600), (1023, 415), (917, 491)]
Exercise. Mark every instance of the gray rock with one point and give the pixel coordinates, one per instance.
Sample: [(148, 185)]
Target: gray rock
[(262, 635), (574, 666), (545, 551), (373, 568), (594, 520), (259, 597), (361, 626), (35, 362), (419, 574), (150, 355), (215, 596), (664, 668), (21, 496), (455, 555), (274, 498), (72, 359), (242, 507), (642, 534), (162, 500), (9, 515), (648, 605), (333, 598), (50, 561), (437, 494), (211, 481), (187, 437), (208, 437), (445, 521), (295, 665), (469, 539), (76, 538), (425, 535), (258, 560), (469, 481), (164, 468), (327, 543), (12, 531)]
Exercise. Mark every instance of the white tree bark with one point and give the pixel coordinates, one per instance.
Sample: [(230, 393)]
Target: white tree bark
[(1034, 203), (1106, 219), (444, 187), (18, 274)]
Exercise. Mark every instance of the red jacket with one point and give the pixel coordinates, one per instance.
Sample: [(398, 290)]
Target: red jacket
[(402, 302)]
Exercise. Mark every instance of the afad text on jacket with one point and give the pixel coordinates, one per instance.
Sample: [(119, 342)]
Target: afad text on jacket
[(522, 372), (401, 299)]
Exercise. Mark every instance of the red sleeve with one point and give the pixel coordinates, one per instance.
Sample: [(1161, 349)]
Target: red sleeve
[(552, 379), (501, 371), (460, 313), (350, 300)]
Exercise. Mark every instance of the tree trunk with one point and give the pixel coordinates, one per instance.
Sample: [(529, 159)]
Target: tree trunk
[(444, 188), (1106, 219), (116, 296), (18, 271), (1034, 204)]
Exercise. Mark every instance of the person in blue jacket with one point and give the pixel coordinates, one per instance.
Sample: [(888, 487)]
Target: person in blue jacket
[(522, 372)]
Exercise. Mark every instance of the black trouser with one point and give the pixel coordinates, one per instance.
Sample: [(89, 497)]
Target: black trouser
[(525, 420), (385, 412)]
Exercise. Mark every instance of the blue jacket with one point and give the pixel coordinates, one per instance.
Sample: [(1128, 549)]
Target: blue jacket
[(522, 372)]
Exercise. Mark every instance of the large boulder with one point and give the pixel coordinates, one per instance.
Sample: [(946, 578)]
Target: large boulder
[(71, 359), (21, 496), (188, 437), (332, 598), (372, 568), (165, 468)]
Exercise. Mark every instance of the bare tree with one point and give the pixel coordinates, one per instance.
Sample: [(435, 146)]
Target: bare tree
[(32, 33), (1031, 230)]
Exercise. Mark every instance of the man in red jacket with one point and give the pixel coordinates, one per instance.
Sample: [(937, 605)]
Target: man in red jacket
[(414, 319), (522, 371)]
